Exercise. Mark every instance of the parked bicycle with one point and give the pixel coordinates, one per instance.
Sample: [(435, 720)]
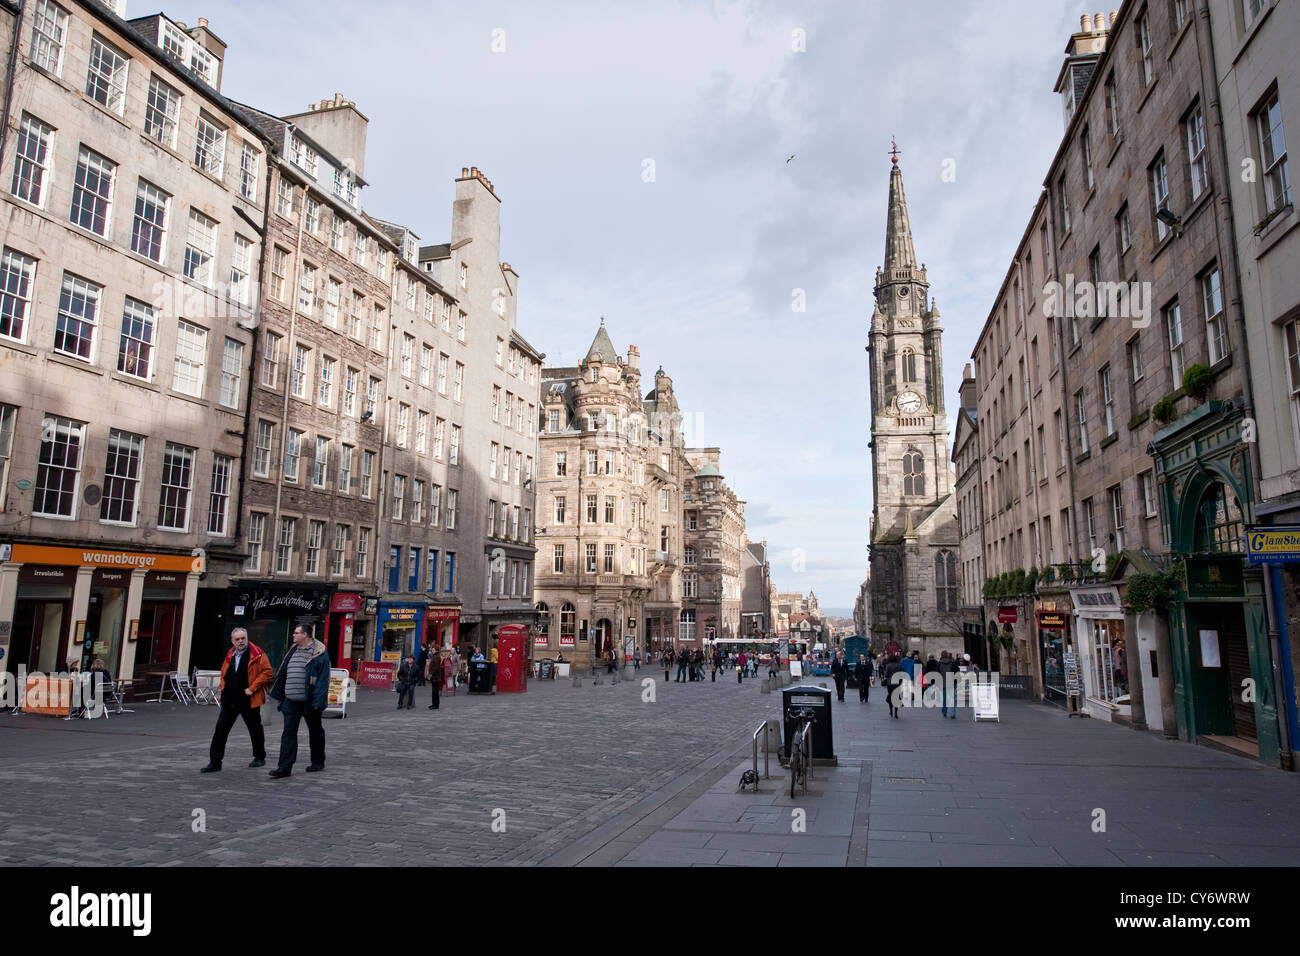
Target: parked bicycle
[(801, 749)]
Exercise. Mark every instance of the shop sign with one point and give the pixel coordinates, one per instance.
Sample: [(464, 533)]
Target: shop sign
[(1007, 615), (566, 640), (294, 601), (541, 640), (372, 605), (375, 674), (1051, 619), (103, 577), (1278, 544), (1098, 603), (43, 574), (345, 602), (437, 612), (1214, 578), (168, 580), (44, 554)]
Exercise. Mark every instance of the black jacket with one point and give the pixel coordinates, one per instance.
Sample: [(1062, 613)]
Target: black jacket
[(839, 669), (862, 671)]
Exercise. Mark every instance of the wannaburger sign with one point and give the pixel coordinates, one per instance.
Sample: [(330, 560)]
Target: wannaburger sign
[(88, 557), (1276, 544)]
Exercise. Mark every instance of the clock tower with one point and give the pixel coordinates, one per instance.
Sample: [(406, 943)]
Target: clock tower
[(914, 535)]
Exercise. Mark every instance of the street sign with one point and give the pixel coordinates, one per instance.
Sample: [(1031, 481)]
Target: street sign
[(1280, 544)]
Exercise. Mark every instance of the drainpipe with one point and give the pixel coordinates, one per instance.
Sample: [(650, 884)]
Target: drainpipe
[(1035, 645), (1284, 702), (252, 361), (9, 84)]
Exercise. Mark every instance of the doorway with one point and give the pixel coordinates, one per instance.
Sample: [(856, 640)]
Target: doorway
[(1221, 667), (157, 644), (38, 636)]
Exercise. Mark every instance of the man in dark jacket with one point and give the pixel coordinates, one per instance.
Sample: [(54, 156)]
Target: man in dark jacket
[(406, 676), (894, 678), (683, 661), (302, 687), (245, 675), (839, 673), (862, 674)]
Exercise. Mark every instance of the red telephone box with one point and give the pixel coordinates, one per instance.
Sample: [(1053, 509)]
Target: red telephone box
[(512, 660)]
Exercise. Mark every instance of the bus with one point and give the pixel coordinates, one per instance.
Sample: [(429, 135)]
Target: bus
[(764, 647)]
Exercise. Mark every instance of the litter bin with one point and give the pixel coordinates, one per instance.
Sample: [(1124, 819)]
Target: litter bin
[(480, 677), (818, 700)]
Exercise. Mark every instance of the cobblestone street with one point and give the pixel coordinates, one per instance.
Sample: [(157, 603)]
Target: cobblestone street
[(593, 775)]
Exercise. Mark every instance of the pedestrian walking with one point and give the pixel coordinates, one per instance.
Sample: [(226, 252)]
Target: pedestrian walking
[(245, 675), (862, 673), (948, 674), (683, 661), (492, 668), (433, 672), (741, 663), (892, 681), (420, 663), (668, 664), (302, 688), (840, 674), (406, 683)]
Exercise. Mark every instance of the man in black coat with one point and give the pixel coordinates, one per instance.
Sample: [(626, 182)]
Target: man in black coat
[(840, 673), (406, 675), (862, 674), (893, 681)]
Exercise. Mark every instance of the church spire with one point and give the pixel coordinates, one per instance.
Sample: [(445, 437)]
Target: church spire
[(899, 253)]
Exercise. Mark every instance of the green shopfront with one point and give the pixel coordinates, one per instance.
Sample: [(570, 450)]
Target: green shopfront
[(1218, 623)]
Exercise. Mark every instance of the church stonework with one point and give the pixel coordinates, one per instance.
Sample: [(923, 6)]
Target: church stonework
[(914, 586)]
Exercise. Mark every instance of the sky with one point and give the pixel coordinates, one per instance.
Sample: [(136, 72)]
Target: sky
[(641, 153)]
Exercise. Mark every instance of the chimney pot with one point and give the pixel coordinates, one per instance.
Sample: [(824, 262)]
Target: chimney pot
[(473, 171), (1099, 22), (1085, 23), (203, 22), (464, 172), (1114, 15)]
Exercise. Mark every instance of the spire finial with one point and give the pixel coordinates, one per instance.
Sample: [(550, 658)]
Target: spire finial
[(602, 321), (893, 153)]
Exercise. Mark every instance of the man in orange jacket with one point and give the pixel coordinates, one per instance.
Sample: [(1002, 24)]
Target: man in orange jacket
[(245, 676)]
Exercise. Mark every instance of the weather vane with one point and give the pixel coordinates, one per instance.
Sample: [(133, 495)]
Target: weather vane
[(895, 151)]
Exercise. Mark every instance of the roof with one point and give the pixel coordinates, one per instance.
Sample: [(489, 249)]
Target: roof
[(441, 250), (602, 349), (708, 471)]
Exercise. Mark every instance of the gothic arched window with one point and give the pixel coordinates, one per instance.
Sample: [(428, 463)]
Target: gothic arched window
[(909, 365), (913, 473), (945, 581)]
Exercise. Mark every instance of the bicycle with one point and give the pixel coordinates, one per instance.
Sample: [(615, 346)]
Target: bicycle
[(801, 749)]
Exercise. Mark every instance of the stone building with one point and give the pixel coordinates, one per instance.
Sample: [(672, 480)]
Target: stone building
[(862, 610), (1144, 356), (756, 589), (134, 195), (500, 441), (914, 540), (1259, 97), (610, 483), (713, 534), (315, 485), (967, 458)]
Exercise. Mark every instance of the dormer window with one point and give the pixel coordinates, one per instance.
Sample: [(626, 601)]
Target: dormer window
[(201, 63), (304, 157), (173, 42)]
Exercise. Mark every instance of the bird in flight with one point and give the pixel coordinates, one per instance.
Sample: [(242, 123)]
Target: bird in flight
[(791, 157)]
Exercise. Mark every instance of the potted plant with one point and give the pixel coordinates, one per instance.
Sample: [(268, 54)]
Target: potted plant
[(1164, 411), (1196, 382)]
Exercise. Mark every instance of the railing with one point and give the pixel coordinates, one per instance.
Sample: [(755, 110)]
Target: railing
[(762, 729)]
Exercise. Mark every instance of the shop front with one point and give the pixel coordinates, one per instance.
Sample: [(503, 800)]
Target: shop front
[(1224, 691), (270, 611), (1053, 626), (401, 631), (442, 625), (1103, 657), (340, 625), (133, 610)]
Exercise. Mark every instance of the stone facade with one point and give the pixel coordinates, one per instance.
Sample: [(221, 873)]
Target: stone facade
[(914, 540), (713, 529), (1141, 318), (610, 483), (132, 192), (756, 589), (316, 431)]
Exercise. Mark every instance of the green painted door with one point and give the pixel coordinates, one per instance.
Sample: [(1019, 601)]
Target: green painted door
[(1212, 631)]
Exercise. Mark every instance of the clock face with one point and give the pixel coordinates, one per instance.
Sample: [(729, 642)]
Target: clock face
[(902, 291), (909, 402)]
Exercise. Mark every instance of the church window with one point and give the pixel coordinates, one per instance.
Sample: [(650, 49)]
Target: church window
[(913, 473), (909, 365), (945, 581)]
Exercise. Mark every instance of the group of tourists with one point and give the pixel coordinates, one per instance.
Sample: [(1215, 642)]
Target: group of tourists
[(694, 665)]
